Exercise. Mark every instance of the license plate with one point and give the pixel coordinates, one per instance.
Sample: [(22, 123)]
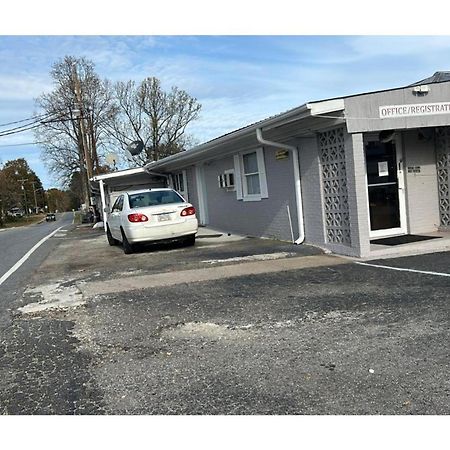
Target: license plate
[(163, 217)]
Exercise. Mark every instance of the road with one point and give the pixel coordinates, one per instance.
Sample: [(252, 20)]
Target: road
[(15, 243)]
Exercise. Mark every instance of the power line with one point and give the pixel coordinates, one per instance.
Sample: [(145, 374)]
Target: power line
[(18, 128), (29, 126), (15, 131), (19, 145), (42, 116)]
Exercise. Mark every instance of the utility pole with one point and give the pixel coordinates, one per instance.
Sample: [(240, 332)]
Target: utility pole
[(22, 181), (86, 153), (35, 199)]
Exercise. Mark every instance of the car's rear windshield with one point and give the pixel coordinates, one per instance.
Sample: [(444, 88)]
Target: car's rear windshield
[(154, 198)]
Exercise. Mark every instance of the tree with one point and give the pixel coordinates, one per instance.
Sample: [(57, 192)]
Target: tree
[(20, 186), (73, 136), (147, 113), (75, 191), (58, 200), (85, 116)]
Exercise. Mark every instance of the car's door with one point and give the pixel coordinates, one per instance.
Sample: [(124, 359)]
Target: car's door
[(114, 218)]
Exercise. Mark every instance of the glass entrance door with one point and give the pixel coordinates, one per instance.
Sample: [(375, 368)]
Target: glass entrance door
[(385, 193)]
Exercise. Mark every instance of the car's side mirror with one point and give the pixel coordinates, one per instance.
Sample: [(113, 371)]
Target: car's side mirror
[(107, 209)]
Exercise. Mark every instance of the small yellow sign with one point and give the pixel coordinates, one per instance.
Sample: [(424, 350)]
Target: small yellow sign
[(282, 154)]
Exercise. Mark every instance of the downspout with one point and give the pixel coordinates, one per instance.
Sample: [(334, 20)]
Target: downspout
[(102, 195), (298, 187)]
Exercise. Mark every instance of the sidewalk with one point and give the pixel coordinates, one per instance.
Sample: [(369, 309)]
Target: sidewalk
[(441, 244), (206, 274)]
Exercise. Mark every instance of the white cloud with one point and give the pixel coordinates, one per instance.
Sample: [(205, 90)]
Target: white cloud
[(20, 86), (375, 46), (238, 81), (342, 50)]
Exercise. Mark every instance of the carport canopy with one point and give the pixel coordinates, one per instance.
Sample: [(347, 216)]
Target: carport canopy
[(123, 180)]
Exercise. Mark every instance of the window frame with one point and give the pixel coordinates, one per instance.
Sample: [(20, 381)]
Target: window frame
[(119, 201), (241, 186), (175, 178)]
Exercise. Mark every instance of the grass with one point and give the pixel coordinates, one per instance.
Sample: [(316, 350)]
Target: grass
[(23, 221)]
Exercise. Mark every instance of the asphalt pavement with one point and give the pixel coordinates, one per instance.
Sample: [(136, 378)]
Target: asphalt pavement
[(14, 244), (325, 339)]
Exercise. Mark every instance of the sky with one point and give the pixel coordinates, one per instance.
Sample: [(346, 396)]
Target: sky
[(237, 79)]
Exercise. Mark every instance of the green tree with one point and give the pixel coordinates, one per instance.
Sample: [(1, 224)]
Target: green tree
[(58, 200), (75, 191), (20, 187)]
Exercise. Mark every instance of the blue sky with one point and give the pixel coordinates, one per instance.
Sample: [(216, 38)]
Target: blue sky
[(237, 79)]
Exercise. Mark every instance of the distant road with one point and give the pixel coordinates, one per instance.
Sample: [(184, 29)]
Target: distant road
[(15, 243)]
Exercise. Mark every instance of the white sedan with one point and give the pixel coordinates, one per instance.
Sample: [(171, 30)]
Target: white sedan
[(150, 215)]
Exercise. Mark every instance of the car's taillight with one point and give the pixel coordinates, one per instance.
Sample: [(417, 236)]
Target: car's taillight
[(137, 217), (189, 211)]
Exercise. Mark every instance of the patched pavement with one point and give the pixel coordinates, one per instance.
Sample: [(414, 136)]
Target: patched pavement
[(324, 339)]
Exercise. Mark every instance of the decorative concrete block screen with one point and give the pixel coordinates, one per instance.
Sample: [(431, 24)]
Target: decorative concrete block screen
[(334, 185), (443, 173)]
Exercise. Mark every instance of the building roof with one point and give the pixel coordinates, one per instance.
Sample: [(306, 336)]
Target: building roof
[(437, 77), (314, 108)]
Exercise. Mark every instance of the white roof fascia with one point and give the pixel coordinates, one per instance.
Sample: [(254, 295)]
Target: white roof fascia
[(242, 132), (121, 173), (326, 106)]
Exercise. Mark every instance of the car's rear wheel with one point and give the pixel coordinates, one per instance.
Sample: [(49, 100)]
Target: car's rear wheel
[(127, 247), (111, 240)]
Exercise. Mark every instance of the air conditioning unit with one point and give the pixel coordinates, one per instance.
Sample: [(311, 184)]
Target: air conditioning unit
[(226, 179)]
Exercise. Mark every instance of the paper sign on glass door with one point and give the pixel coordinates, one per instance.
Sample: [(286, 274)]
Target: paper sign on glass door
[(383, 170)]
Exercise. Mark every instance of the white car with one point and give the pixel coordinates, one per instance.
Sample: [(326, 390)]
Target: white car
[(150, 215)]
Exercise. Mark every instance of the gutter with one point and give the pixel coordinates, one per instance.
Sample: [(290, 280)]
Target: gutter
[(297, 182), (150, 172), (299, 112)]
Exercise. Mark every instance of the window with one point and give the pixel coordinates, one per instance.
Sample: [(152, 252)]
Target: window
[(153, 198), (251, 174), (180, 183), (118, 204), (250, 179)]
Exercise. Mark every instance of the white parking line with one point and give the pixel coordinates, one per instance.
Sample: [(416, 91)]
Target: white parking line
[(26, 256), (426, 272)]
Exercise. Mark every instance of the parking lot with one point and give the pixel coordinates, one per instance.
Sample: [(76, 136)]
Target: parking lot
[(233, 325)]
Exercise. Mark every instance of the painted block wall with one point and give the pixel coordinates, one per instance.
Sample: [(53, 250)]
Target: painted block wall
[(358, 200), (422, 198), (311, 191), (192, 186), (313, 207), (265, 218)]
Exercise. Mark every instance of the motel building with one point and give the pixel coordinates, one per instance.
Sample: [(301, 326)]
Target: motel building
[(349, 174)]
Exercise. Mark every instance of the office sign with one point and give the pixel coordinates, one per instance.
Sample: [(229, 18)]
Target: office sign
[(419, 109)]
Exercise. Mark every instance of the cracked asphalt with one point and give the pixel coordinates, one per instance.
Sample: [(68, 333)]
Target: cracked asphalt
[(343, 339)]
